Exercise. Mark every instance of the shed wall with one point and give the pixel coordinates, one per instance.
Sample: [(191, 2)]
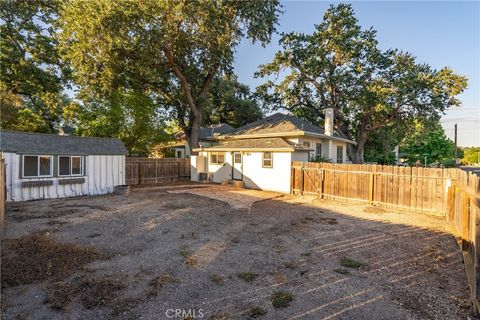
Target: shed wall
[(102, 173)]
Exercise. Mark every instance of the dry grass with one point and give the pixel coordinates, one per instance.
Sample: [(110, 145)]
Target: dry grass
[(281, 299), (217, 279), (98, 292), (60, 295), (93, 292), (159, 282), (247, 276), (373, 209), (191, 261), (257, 311), (37, 258)]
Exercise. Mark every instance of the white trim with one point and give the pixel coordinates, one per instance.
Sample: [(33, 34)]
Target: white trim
[(284, 134), (70, 175), (38, 166)]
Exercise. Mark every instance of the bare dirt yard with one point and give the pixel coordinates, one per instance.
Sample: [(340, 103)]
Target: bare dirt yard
[(182, 253)]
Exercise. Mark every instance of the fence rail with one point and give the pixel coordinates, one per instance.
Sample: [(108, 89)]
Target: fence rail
[(152, 170), (451, 193), (3, 195)]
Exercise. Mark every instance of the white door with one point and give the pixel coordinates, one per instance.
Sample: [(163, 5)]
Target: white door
[(237, 166)]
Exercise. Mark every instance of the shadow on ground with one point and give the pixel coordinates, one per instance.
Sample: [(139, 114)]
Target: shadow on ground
[(282, 258)]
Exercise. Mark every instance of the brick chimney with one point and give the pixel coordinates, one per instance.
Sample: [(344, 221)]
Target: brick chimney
[(329, 121)]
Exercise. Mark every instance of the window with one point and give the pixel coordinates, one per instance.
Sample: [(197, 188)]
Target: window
[(267, 160), (70, 166), (318, 150), (306, 144), (339, 154), (237, 157), (37, 166), (217, 157)]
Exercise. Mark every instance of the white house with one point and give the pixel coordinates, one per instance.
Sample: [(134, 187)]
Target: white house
[(42, 166), (206, 137), (260, 153)]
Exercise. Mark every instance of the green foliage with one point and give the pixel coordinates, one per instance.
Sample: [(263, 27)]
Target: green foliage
[(350, 263), (340, 66), (321, 159), (230, 101), (471, 155), (281, 299), (170, 50), (31, 72), (429, 144), (130, 116)]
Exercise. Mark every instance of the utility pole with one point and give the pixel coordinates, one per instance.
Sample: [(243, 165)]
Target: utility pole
[(455, 150)]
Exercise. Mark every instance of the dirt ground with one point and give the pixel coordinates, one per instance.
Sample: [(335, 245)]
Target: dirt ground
[(180, 253)]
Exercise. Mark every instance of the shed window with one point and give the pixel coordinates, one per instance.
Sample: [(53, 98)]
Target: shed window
[(37, 166), (267, 160), (339, 154), (70, 166), (217, 157)]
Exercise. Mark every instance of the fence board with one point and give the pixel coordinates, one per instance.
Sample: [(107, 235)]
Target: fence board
[(451, 193), (153, 170), (3, 196)]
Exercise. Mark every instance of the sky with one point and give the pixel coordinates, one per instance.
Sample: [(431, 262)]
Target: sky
[(441, 34)]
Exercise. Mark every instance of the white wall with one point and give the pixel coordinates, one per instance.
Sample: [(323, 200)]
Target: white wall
[(254, 175), (102, 173)]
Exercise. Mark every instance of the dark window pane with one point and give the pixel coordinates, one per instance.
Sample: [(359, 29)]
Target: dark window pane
[(30, 166), (238, 158), (76, 165), (213, 158), (64, 166), (319, 149), (45, 166), (221, 158)]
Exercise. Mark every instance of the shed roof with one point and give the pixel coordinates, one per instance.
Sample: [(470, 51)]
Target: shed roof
[(258, 144), (44, 143)]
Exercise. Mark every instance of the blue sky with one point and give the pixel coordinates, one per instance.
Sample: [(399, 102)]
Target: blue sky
[(438, 33)]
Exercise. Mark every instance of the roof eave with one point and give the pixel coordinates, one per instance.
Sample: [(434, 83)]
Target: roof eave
[(329, 137), (243, 149), (263, 135)]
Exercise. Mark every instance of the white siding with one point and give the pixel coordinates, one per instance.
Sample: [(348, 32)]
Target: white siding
[(254, 175), (102, 173)]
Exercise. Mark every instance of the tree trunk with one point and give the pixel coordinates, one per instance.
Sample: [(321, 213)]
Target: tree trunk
[(194, 132), (355, 153)]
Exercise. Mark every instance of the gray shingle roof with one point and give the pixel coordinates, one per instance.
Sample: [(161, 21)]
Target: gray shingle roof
[(221, 128), (255, 144), (52, 144), (277, 123)]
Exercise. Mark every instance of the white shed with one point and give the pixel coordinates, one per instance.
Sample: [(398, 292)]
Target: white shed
[(43, 166)]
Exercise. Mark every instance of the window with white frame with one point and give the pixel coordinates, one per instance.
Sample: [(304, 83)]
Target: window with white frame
[(217, 157), (267, 160), (339, 154), (37, 166), (318, 150), (306, 144), (70, 166)]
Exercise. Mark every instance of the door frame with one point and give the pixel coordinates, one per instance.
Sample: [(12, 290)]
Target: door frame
[(241, 165)]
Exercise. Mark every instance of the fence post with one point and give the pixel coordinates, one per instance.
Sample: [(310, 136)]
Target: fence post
[(322, 181), (303, 180), (450, 202), (139, 172), (371, 187), (465, 220)]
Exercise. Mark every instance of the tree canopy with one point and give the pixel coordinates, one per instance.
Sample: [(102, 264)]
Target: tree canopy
[(32, 75), (340, 66), (170, 50)]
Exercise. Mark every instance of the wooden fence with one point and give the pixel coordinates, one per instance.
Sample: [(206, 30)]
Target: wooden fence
[(3, 195), (451, 193), (152, 170)]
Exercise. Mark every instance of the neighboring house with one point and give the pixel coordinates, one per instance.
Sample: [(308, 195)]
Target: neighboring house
[(206, 137), (260, 153), (41, 166)]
